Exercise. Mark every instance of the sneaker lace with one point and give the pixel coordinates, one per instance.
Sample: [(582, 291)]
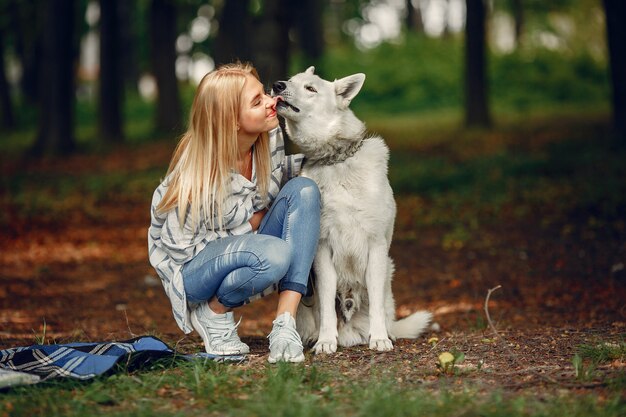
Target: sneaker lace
[(225, 330), (285, 332)]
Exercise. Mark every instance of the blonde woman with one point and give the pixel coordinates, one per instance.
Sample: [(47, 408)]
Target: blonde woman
[(232, 221)]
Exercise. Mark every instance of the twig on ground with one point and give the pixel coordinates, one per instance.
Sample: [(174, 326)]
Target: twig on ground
[(486, 308), (514, 357), (128, 325)]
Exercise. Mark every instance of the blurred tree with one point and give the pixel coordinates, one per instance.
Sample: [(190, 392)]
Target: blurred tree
[(163, 57), (276, 21), (235, 33), (110, 97), (414, 19), (309, 27), (518, 18), (476, 89), (56, 79), (7, 120), (616, 33), (129, 54), (271, 49), (25, 18)]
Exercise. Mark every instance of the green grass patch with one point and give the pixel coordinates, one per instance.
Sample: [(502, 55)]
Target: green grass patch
[(53, 195), (602, 353), (196, 388)]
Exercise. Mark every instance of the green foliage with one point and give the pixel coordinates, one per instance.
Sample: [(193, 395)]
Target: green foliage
[(520, 81), (590, 357), (198, 388), (603, 352), (423, 74)]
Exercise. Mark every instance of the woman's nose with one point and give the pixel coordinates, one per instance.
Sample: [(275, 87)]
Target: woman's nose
[(271, 101)]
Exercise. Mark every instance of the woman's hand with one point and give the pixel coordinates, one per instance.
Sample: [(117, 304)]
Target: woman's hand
[(256, 219)]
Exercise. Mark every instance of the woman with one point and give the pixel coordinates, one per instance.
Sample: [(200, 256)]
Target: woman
[(231, 221)]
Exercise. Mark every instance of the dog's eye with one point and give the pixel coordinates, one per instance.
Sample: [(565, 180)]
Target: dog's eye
[(311, 89)]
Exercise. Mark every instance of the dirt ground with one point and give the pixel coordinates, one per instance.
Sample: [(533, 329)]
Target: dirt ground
[(89, 279)]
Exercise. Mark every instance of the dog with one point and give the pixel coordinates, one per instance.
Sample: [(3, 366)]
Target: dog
[(352, 302)]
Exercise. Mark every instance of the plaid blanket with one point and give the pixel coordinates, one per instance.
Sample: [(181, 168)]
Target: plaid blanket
[(24, 365)]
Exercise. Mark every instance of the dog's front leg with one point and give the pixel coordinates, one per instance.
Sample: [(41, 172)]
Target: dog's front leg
[(326, 286), (375, 278)]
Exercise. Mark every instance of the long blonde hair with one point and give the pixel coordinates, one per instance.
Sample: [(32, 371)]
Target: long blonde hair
[(206, 155)]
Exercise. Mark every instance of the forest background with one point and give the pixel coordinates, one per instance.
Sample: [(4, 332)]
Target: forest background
[(505, 121)]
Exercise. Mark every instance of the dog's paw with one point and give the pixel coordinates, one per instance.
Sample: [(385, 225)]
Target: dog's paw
[(325, 346), (381, 345)]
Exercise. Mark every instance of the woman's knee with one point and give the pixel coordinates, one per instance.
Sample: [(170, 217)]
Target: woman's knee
[(274, 257), (306, 189)]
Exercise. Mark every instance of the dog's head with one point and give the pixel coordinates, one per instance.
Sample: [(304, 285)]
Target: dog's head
[(313, 107)]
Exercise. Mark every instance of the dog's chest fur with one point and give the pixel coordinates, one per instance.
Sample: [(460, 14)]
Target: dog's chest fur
[(357, 207)]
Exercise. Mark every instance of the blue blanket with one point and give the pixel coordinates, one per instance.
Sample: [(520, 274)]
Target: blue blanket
[(24, 365)]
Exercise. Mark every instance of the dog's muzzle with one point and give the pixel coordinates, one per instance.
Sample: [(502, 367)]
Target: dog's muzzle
[(278, 90), (278, 87)]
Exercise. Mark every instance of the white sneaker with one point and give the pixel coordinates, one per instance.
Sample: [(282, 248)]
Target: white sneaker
[(285, 342), (218, 331)]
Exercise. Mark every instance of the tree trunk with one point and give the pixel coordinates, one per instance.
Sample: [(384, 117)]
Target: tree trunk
[(234, 37), (163, 56), (476, 89), (128, 43), (26, 25), (414, 19), (111, 86), (271, 51), (7, 120), (616, 34), (56, 80), (310, 29), (518, 17), (410, 16)]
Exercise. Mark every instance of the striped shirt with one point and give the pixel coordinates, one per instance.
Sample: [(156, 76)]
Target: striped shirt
[(171, 245)]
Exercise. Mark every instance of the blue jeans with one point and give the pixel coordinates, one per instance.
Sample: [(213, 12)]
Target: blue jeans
[(236, 268)]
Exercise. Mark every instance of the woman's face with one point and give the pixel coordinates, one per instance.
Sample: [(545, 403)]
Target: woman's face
[(258, 110)]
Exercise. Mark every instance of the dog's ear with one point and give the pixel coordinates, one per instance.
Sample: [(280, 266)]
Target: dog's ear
[(310, 70), (348, 87)]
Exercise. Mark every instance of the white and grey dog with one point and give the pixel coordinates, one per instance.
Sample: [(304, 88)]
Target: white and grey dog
[(352, 266)]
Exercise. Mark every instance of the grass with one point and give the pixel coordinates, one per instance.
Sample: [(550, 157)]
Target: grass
[(50, 196), (603, 352), (197, 388), (589, 357)]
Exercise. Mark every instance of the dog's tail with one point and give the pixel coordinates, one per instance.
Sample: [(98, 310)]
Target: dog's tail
[(411, 326)]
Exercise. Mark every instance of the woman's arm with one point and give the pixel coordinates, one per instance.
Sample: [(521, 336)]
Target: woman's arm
[(257, 218)]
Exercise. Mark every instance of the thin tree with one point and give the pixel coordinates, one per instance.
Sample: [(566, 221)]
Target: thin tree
[(163, 57), (271, 51), (616, 35), (56, 79), (309, 26), (518, 17), (414, 20), (233, 40), (128, 14), (476, 88), (27, 43), (111, 85), (7, 120)]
